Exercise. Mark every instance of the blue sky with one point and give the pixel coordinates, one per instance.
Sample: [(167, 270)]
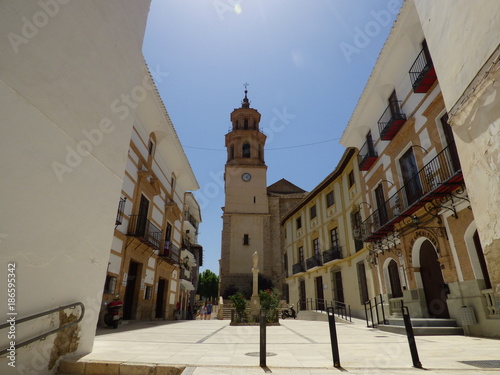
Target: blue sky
[(306, 64)]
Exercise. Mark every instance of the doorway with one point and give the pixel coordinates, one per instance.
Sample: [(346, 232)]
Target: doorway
[(160, 299), (339, 289), (320, 298), (131, 291), (302, 295), (433, 282)]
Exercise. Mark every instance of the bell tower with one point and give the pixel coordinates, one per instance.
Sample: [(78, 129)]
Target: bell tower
[(246, 208)]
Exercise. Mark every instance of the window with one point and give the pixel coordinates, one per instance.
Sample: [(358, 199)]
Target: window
[(245, 124), (301, 254), (356, 224), (110, 286), (411, 180), (151, 147), (313, 212), (334, 237), (246, 150), (149, 292), (316, 247), (246, 239), (299, 222), (382, 209), (330, 200), (172, 182), (351, 179), (363, 286)]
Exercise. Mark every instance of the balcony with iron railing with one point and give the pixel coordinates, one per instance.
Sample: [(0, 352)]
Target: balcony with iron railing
[(145, 230), (436, 179), (121, 210), (170, 253), (298, 268), (391, 121), (314, 261), (422, 73), (367, 156), (332, 254)]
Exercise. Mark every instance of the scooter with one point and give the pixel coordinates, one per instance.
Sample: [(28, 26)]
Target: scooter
[(114, 313), (288, 314)]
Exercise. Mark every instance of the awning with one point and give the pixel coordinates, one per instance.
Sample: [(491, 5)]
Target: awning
[(187, 285)]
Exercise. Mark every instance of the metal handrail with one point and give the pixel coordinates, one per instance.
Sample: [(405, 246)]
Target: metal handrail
[(44, 335), (375, 306), (342, 310)]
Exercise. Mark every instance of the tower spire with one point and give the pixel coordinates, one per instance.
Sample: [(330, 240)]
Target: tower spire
[(245, 102)]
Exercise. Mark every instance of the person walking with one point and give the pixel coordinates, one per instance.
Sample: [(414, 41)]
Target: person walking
[(202, 312), (208, 311)]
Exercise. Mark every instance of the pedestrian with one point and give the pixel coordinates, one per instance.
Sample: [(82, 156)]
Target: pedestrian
[(209, 310), (177, 311), (202, 312)]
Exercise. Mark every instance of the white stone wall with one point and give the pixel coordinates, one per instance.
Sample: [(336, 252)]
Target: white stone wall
[(63, 152)]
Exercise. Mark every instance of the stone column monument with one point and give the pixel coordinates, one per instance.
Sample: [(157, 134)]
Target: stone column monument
[(255, 301)]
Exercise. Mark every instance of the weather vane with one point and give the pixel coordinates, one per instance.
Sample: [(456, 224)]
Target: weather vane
[(246, 85)]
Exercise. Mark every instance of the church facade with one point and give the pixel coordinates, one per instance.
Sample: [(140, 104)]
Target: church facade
[(251, 214)]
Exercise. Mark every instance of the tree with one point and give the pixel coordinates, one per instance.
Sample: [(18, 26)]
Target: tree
[(208, 285)]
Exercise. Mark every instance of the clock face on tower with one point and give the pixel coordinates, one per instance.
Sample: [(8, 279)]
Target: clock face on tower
[(246, 177)]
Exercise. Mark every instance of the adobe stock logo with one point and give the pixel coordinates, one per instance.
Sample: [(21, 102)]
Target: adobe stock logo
[(364, 36)]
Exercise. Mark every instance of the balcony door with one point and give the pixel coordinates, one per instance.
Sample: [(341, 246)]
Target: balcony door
[(142, 216), (411, 181), (380, 199), (320, 298), (450, 142), (393, 104)]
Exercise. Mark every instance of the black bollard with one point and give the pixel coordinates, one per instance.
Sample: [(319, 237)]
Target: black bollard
[(411, 337), (262, 316), (333, 337)]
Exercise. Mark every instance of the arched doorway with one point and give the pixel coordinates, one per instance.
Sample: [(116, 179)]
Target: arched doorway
[(433, 282)]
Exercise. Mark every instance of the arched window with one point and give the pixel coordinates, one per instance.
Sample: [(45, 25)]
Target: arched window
[(231, 152), (393, 271), (246, 150), (245, 124)]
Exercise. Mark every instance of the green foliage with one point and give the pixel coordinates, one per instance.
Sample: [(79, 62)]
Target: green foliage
[(208, 285), (240, 305), (270, 301)]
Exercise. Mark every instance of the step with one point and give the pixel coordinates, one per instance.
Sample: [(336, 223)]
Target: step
[(77, 367), (423, 322), (423, 331)]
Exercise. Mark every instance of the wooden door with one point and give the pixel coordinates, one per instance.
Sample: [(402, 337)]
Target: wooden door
[(433, 282)]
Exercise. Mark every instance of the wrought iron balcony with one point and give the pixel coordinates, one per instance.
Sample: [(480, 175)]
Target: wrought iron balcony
[(314, 261), (422, 73), (332, 254), (142, 228), (438, 178), (391, 121), (367, 156), (121, 210), (298, 268), (170, 253)]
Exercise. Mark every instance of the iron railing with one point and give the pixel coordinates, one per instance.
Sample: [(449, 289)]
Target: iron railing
[(43, 336), (332, 254), (170, 252), (298, 268), (433, 175), (378, 308), (365, 152), (418, 71), (392, 114), (314, 261), (141, 227), (316, 304), (191, 220), (121, 210)]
